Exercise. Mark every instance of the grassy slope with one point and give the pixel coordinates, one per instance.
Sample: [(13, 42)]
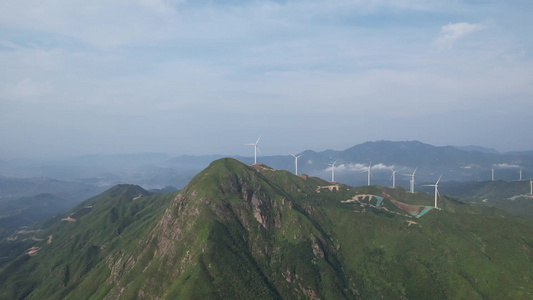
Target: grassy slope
[(447, 256), (25, 211), (270, 260), (486, 189), (74, 261), (235, 232), (495, 194)]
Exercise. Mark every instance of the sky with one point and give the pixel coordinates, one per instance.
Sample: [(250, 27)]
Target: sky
[(206, 77)]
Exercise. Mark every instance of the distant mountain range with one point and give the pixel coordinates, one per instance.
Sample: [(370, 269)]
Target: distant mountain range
[(430, 161), (155, 170), (14, 188), (76, 179), (473, 148), (252, 232)]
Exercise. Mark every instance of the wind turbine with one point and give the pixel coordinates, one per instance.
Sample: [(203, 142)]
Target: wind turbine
[(492, 173), (412, 181), (296, 162), (393, 178), (332, 170), (530, 186), (255, 149), (369, 172), (436, 185), (520, 174)]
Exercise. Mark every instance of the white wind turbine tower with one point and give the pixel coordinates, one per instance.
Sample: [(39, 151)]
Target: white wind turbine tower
[(520, 174), (369, 172), (393, 178), (296, 162), (332, 170), (436, 185), (492, 173), (255, 149), (412, 181), (530, 186)]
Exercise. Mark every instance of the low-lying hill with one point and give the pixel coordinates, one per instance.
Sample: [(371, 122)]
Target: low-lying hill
[(28, 210), (24, 201), (485, 189), (15, 188), (240, 231), (511, 196)]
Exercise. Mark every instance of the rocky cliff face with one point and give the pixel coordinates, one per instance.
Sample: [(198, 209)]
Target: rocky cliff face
[(229, 222)]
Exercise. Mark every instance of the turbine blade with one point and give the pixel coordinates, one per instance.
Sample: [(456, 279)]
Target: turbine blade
[(439, 179), (258, 140)]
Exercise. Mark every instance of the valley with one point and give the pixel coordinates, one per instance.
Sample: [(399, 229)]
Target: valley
[(252, 231)]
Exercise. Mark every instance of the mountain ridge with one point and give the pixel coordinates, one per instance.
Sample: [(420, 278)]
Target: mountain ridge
[(252, 231), (157, 170)]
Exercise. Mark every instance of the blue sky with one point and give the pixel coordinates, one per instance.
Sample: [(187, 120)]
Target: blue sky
[(206, 77)]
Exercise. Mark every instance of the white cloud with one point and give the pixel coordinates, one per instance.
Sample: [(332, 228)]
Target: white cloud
[(507, 166), (301, 59), (98, 23), (452, 32), (122, 22), (163, 7), (27, 88), (381, 166), (9, 45), (358, 167)]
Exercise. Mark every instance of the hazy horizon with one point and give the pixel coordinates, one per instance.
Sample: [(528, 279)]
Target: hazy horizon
[(248, 153), (205, 78)]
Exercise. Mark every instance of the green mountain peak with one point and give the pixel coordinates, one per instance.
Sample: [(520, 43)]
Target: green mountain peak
[(238, 231), (126, 190)]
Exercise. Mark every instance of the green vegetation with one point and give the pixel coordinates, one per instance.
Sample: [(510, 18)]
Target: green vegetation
[(28, 210), (486, 189), (511, 196), (244, 232)]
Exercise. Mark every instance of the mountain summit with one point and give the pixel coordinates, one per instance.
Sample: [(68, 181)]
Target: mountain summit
[(235, 231), (238, 231)]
